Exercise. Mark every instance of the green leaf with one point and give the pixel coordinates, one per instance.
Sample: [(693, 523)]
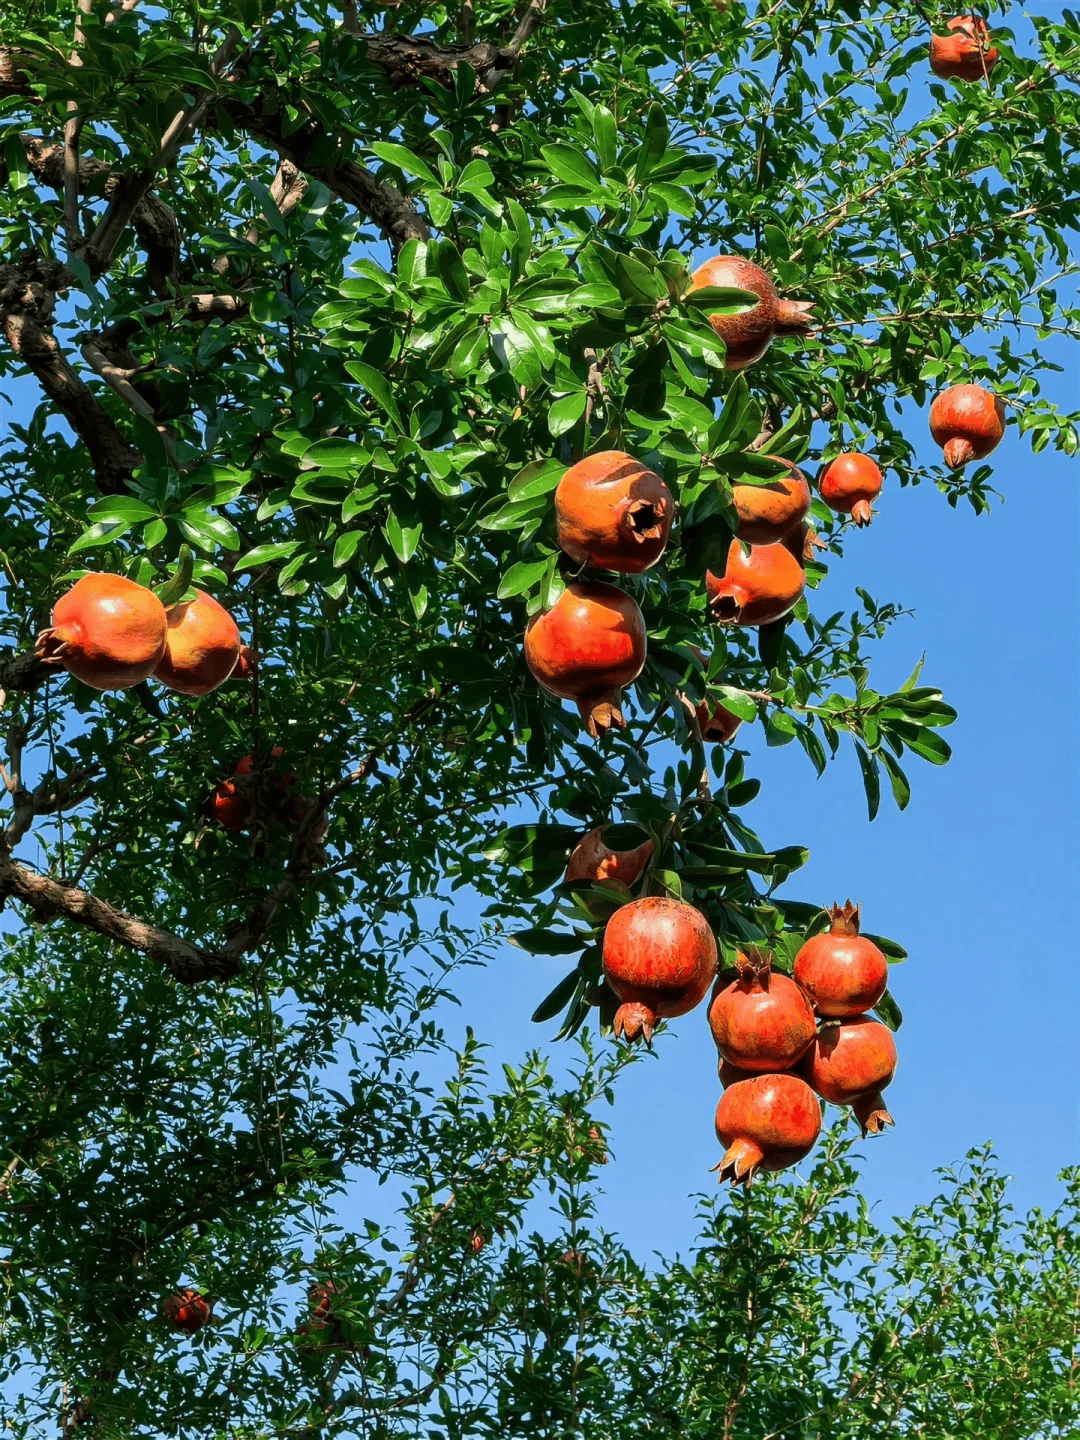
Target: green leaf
[(539, 477), (721, 299), (176, 587), (888, 1012), (565, 413), (871, 780), (901, 789), (378, 387), (121, 507), (403, 537), (521, 577), (15, 159), (560, 996), (547, 942), (570, 165), (266, 554), (404, 160)]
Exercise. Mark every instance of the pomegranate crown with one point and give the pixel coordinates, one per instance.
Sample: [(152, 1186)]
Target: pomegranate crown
[(754, 966), (844, 918)]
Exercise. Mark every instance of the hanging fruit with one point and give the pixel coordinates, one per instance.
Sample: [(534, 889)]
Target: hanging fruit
[(965, 53), (842, 971), (850, 484), (716, 722), (186, 1311), (757, 588), (589, 645), (106, 631), (659, 958), (769, 512), (247, 663), (769, 1122), (614, 512), (746, 337), (231, 804), (592, 860), (967, 422), (202, 646), (850, 1063), (761, 1020)]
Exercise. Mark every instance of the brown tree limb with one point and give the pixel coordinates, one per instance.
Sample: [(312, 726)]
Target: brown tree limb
[(72, 131), (25, 672)]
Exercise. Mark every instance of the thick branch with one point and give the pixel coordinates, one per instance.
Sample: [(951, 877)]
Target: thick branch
[(409, 59), (22, 672)]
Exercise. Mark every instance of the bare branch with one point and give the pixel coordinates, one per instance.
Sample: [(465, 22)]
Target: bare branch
[(286, 190), (72, 131)]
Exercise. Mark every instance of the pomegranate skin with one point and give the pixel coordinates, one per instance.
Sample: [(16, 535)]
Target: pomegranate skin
[(202, 647), (614, 512), (589, 645), (768, 1122), (967, 422), (850, 1063), (592, 860), (843, 973), (768, 513), (186, 1311), (229, 808), (747, 337), (659, 958), (247, 664), (716, 722), (965, 54), (849, 484), (761, 1021), (756, 588), (106, 631)]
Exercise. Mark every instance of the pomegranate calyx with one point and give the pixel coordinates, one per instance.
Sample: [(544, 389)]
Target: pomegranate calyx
[(740, 1163), (958, 453), (869, 1110), (754, 967), (861, 512), (633, 1019), (644, 520), (794, 316), (844, 918), (601, 713), (49, 647)]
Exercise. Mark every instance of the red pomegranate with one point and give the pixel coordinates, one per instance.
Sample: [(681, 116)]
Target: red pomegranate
[(842, 972), (613, 512), (202, 647), (757, 588), (769, 512), (592, 860), (229, 807), (766, 1123), (230, 804), (586, 648), (659, 958), (716, 722), (247, 664), (746, 337), (965, 54), (186, 1311), (849, 484), (321, 1298), (761, 1020), (106, 631), (967, 422), (850, 1063)]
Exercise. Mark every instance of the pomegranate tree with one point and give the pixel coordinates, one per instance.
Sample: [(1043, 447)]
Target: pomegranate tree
[(967, 422), (659, 958), (106, 631), (850, 1063), (761, 1020), (768, 1122), (613, 512), (586, 648), (746, 337), (849, 485), (842, 971)]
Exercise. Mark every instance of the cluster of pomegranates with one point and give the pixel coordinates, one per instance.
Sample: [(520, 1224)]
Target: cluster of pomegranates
[(259, 786), (112, 633)]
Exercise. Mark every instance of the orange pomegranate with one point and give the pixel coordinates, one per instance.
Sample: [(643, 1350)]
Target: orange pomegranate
[(756, 588), (106, 631), (769, 512), (766, 1123), (659, 958), (716, 722), (761, 1020), (186, 1311), (849, 484), (746, 337), (967, 422), (965, 53), (589, 645), (850, 1063), (842, 971), (202, 646), (592, 860), (613, 512)]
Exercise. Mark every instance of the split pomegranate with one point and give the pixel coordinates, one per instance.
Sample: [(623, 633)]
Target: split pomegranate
[(202, 647), (769, 512), (592, 860), (766, 1123), (589, 645), (849, 484), (965, 54), (614, 512), (756, 588), (761, 1020), (659, 958), (842, 972), (850, 1063), (967, 422), (186, 1311), (106, 631), (746, 337)]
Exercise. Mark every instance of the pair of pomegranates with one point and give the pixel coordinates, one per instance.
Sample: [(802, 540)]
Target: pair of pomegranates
[(112, 633), (965, 53)]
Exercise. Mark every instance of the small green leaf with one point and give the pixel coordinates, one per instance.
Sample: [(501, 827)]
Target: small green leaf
[(521, 577), (547, 942), (560, 996), (177, 586), (405, 160), (871, 780), (565, 413), (377, 386), (570, 165), (266, 554), (403, 537)]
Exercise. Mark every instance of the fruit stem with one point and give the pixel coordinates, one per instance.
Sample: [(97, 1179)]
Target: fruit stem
[(740, 1162), (869, 1110)]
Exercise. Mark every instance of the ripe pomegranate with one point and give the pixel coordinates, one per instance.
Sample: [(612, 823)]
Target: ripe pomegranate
[(766, 1123), (761, 1020), (106, 631), (842, 972), (746, 337), (802, 544), (231, 804), (769, 512), (965, 54), (659, 958), (186, 1311), (202, 647), (849, 483), (586, 648), (592, 860), (850, 1063), (614, 512), (228, 807), (321, 1297), (246, 665), (756, 588), (716, 722), (967, 422)]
